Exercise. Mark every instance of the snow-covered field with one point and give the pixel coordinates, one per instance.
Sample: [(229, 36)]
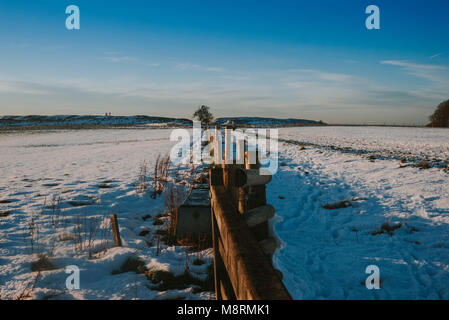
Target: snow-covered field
[(325, 251), (411, 144), (323, 254), (94, 173)]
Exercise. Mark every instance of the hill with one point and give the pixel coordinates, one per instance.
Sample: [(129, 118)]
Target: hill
[(77, 120), (83, 121), (268, 122)]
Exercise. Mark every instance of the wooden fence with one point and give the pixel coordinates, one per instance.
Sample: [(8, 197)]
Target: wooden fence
[(243, 248)]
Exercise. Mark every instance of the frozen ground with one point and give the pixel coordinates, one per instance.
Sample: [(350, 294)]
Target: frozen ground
[(410, 144), (325, 251), (94, 173)]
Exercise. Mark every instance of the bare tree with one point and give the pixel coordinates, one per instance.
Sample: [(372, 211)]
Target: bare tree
[(440, 118)]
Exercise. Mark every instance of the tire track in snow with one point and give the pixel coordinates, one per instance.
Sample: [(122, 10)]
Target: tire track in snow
[(320, 257)]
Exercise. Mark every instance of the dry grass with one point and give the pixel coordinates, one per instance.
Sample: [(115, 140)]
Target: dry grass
[(173, 200), (338, 205), (132, 264), (196, 244), (423, 165), (158, 220), (142, 180), (67, 237), (144, 233), (55, 210), (4, 214), (86, 233), (33, 229), (165, 280), (27, 291), (160, 175), (388, 228), (43, 263)]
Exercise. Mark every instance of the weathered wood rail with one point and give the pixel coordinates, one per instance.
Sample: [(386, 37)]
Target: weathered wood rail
[(243, 248)]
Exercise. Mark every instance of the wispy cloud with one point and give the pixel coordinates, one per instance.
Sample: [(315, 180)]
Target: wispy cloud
[(326, 76), (116, 59), (190, 66), (152, 64), (412, 65), (314, 93), (22, 87), (437, 78), (436, 55), (430, 72)]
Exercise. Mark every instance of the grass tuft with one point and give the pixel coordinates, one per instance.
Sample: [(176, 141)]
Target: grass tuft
[(143, 233), (42, 264), (423, 165), (338, 205), (132, 264), (387, 228), (165, 280), (4, 214), (158, 221)]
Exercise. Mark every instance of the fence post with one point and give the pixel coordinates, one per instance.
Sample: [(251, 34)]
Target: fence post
[(242, 246), (115, 231)]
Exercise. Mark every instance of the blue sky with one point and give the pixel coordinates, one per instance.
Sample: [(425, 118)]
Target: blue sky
[(305, 59)]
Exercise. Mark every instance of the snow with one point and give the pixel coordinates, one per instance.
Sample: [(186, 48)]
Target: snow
[(38, 166), (419, 143), (324, 253)]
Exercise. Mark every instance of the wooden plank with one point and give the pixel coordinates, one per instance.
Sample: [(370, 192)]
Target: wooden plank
[(235, 176), (261, 231), (223, 286), (268, 246), (253, 178), (217, 258), (228, 154), (243, 198), (257, 197), (258, 215), (218, 147), (251, 159), (240, 146), (216, 176), (227, 291), (250, 272)]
